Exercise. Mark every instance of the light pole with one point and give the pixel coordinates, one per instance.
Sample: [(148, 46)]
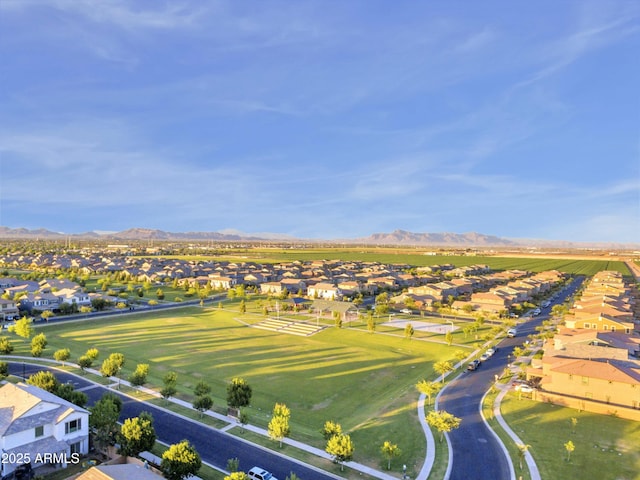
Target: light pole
[(452, 325)]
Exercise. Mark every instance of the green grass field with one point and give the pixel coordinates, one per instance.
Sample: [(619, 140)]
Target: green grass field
[(606, 447), (363, 381), (415, 257)]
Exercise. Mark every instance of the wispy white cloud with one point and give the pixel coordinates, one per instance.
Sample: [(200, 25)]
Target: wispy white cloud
[(120, 13), (598, 27)]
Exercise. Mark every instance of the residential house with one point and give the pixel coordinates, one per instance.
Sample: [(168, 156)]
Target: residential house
[(609, 383), (327, 291), (221, 282), (8, 310), (34, 422), (39, 301)]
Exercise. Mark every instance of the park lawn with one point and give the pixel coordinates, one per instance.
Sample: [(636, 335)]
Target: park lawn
[(606, 447), (363, 381)]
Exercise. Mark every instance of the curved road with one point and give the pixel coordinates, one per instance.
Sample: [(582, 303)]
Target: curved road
[(214, 447), (476, 452)]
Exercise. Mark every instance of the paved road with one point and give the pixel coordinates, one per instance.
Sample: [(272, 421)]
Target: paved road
[(476, 452), (214, 447)]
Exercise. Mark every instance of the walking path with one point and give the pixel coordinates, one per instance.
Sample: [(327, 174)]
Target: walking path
[(504, 389)]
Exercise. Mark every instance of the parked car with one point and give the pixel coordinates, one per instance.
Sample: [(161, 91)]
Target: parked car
[(473, 365), (512, 332), (492, 351), (524, 388), (259, 473), (484, 357), (406, 310)]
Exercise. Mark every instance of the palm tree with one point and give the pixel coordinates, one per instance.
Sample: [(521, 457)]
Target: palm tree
[(522, 451)]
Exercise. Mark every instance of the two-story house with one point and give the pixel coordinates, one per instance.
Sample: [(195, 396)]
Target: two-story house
[(34, 422)]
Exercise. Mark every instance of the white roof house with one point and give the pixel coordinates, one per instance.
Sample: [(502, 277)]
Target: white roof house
[(38, 427)]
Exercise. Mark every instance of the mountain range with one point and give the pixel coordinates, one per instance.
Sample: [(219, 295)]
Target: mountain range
[(397, 237)]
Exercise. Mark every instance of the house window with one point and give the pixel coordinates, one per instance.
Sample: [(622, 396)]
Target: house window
[(75, 447), (72, 426), (613, 328), (606, 327), (588, 395), (585, 380), (39, 431), (570, 377)]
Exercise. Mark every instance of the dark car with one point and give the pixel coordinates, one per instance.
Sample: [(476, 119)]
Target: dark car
[(473, 365)]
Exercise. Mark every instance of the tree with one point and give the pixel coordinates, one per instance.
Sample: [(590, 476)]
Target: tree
[(202, 403), (92, 353), (112, 365), (574, 424), (85, 362), (68, 308), (330, 429), (201, 388), (443, 421), (44, 380), (104, 421), (278, 427), (237, 476), (243, 306), (170, 380), (5, 346), (137, 435), (233, 464), (448, 337), (22, 328), (139, 376), (569, 447), (428, 388), (46, 315), (292, 476), (341, 448), (66, 391), (36, 350), (460, 355), (243, 419), (443, 367), (522, 452), (62, 355), (389, 451), (180, 461), (238, 393), (40, 341), (99, 304), (160, 294), (371, 323), (4, 370), (408, 331)]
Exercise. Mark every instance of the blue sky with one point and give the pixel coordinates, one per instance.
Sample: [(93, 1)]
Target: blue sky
[(325, 119)]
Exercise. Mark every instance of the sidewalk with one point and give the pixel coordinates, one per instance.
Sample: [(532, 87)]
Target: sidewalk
[(504, 388)]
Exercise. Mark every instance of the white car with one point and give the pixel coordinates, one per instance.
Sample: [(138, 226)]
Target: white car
[(406, 310), (524, 388), (485, 356), (259, 473), (490, 352)]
